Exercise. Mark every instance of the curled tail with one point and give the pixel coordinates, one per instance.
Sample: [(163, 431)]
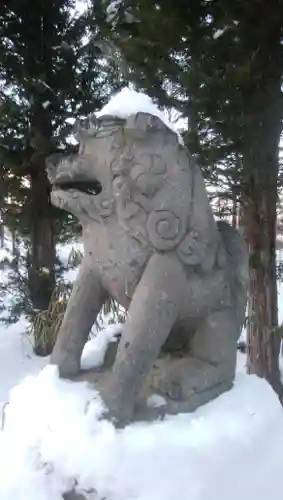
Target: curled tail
[(238, 264)]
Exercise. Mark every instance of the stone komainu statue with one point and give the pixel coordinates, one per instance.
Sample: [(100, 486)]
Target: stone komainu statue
[(151, 243)]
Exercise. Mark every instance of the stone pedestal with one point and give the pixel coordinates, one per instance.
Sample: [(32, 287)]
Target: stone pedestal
[(174, 384)]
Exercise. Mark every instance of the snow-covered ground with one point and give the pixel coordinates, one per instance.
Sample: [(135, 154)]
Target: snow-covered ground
[(53, 440)]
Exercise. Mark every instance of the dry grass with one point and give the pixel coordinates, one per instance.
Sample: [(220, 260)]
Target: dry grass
[(46, 324)]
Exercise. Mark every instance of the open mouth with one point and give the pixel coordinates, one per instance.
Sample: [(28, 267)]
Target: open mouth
[(87, 187)]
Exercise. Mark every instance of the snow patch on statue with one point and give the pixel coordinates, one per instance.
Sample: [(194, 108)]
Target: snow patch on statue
[(94, 351), (128, 102)]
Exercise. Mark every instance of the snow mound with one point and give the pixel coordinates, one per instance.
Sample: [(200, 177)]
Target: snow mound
[(5, 255), (128, 102), (53, 439), (16, 357)]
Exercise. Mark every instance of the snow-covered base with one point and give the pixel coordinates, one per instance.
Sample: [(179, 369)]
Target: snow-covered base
[(228, 449)]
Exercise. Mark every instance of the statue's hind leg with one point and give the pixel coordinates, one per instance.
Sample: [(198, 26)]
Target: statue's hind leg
[(216, 339), (152, 313), (207, 370), (210, 367)]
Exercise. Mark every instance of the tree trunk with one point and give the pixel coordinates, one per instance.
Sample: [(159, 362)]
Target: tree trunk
[(2, 235), (2, 205), (42, 245), (41, 272), (261, 133), (234, 211), (263, 340), (261, 164)]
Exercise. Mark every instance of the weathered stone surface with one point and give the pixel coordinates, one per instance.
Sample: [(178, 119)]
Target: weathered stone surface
[(73, 495), (168, 377), (151, 242)]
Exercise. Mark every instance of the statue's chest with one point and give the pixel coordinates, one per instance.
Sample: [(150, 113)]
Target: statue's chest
[(119, 258)]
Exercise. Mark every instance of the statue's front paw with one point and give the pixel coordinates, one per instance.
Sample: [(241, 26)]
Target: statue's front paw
[(117, 409), (68, 367)]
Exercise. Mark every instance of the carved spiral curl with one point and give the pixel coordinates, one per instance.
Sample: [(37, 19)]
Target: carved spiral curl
[(165, 229)]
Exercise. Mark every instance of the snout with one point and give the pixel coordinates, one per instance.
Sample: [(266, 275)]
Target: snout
[(72, 172)]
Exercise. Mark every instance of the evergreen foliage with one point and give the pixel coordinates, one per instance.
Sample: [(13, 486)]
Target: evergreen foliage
[(218, 63), (221, 64), (51, 72)]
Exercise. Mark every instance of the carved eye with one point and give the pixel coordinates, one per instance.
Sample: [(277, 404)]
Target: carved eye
[(148, 173), (118, 185)]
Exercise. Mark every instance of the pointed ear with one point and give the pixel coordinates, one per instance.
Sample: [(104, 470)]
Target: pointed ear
[(85, 128), (140, 123), (77, 129)]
